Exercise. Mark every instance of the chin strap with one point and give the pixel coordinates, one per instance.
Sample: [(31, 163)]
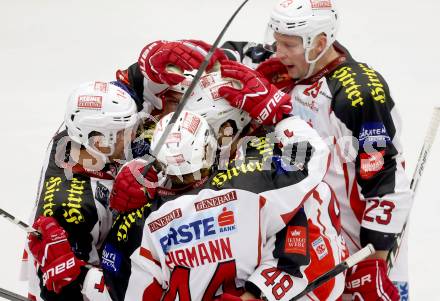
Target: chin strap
[(312, 63)]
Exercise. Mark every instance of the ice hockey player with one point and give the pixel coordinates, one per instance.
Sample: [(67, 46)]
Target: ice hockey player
[(350, 106), (192, 243), (72, 211)]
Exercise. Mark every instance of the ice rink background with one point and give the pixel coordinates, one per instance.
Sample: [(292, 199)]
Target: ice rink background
[(48, 47)]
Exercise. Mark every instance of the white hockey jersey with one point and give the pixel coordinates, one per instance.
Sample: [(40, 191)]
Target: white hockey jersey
[(242, 228)]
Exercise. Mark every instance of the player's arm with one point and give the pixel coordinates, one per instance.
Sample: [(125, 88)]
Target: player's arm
[(370, 117), (298, 165), (61, 272), (146, 278), (150, 77), (379, 164)]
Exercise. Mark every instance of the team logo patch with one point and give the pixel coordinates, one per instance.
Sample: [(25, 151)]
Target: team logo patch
[(89, 102), (374, 133), (296, 241), (371, 164), (320, 248), (111, 259)]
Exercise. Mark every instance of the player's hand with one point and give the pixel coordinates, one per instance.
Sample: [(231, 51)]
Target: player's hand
[(262, 100), (184, 54), (229, 297), (368, 280), (54, 254), (276, 73), (131, 190)]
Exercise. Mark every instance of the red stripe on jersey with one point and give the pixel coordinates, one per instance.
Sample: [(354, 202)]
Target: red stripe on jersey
[(288, 216), (25, 256), (357, 206), (344, 166), (262, 203), (318, 267), (351, 238), (147, 254), (31, 297)]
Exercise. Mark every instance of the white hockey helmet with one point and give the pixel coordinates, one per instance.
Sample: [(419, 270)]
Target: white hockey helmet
[(206, 101), (190, 146), (306, 19), (99, 107)]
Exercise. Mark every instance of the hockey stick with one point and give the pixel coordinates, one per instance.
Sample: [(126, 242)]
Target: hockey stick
[(20, 223), (343, 266), (12, 296), (429, 140), (154, 152)]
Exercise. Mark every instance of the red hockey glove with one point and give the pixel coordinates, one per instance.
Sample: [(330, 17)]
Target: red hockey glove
[(54, 254), (185, 55), (127, 193), (262, 100), (229, 297), (368, 280), (276, 73), (218, 55)]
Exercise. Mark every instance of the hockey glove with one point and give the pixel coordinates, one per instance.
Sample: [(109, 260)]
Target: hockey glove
[(54, 254), (185, 55), (276, 73), (262, 100), (368, 280), (130, 189)]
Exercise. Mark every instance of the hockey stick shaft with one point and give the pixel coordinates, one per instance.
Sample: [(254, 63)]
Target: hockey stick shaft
[(12, 296), (421, 162), (343, 266), (191, 87), (18, 222)]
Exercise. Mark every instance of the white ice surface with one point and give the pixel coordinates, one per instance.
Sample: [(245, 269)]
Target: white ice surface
[(48, 47)]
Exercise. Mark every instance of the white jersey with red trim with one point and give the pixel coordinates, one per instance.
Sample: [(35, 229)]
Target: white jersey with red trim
[(248, 227), (350, 106)]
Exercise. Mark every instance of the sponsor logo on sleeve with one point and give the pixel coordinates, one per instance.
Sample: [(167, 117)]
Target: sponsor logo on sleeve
[(371, 164), (377, 90), (403, 288), (111, 259), (320, 248), (296, 240), (348, 79), (102, 194), (374, 133)]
